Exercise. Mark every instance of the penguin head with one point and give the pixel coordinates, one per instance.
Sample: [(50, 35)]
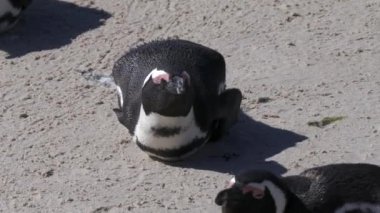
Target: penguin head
[(167, 94), (253, 191)]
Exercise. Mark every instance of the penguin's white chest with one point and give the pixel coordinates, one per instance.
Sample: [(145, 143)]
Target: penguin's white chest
[(360, 207), (167, 133)]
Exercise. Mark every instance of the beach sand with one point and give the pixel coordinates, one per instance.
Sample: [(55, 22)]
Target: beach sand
[(63, 149)]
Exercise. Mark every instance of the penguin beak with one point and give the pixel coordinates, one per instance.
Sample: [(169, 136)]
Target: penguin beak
[(176, 85)]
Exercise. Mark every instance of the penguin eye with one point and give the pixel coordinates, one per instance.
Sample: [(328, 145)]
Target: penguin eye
[(257, 192)]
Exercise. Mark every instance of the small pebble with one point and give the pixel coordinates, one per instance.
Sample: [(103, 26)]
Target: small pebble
[(263, 100), (48, 173), (24, 115)]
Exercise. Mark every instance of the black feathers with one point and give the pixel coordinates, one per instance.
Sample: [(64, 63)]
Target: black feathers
[(331, 186), (321, 189), (205, 66), (182, 85)]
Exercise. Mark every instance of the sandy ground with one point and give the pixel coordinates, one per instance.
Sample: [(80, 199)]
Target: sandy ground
[(63, 150)]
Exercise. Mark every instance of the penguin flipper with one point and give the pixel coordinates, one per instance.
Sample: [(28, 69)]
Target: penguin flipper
[(228, 112)]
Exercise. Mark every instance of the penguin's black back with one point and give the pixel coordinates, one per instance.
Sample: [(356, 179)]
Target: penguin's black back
[(326, 188), (205, 66), (21, 4)]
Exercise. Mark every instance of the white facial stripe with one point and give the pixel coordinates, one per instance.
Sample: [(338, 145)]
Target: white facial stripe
[(233, 181), (230, 183), (154, 73), (277, 194), (189, 130), (364, 207), (120, 93)]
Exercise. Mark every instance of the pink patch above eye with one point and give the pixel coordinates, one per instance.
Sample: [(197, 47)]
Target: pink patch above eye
[(159, 75), (256, 192), (247, 189)]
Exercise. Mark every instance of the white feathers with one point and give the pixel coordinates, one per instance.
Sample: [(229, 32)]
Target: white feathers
[(232, 181), (145, 135), (363, 207), (120, 93), (277, 194)]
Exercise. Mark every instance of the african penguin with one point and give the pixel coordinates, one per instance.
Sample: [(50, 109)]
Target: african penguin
[(335, 188), (173, 97), (10, 11)]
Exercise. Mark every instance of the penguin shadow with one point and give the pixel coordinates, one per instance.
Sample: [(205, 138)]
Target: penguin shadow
[(49, 24), (247, 146)]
